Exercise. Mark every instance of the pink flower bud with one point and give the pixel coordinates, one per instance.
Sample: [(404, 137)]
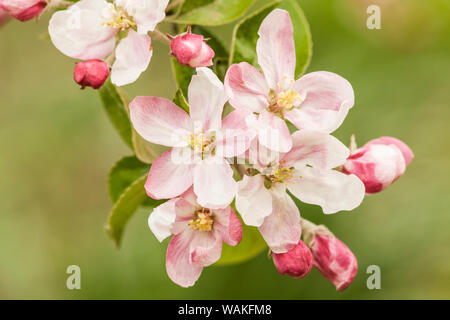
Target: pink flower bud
[(23, 10), (334, 260), (379, 163), (296, 263), (191, 50), (91, 73)]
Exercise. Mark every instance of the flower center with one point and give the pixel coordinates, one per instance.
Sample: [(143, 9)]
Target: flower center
[(289, 99), (281, 174), (117, 18), (203, 222), (200, 142)]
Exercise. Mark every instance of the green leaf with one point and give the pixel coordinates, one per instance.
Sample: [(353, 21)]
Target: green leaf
[(302, 35), (123, 174), (116, 110), (126, 205), (145, 151), (251, 245), (183, 75), (211, 12), (128, 202), (180, 101), (245, 35)]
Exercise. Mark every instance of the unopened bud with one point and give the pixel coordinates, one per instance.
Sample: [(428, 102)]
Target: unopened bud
[(91, 73), (379, 163), (296, 263), (23, 10), (191, 50), (334, 260)]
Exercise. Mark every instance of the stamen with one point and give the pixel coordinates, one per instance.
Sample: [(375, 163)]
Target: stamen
[(203, 222)]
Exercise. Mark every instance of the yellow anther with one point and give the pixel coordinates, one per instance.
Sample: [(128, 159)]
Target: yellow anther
[(203, 222), (288, 99), (198, 141), (281, 174), (118, 19)]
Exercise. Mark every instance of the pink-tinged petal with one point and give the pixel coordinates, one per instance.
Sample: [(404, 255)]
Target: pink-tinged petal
[(253, 200), (190, 197), (206, 248), (160, 121), (329, 97), (281, 229), (146, 13), (276, 48), (332, 190), (22, 10), (167, 179), (334, 260), (260, 156), (228, 225), (214, 184), (273, 132), (162, 218), (206, 100), (296, 263), (133, 54), (377, 165), (406, 151), (317, 149), (246, 88), (78, 32), (235, 137), (179, 265)]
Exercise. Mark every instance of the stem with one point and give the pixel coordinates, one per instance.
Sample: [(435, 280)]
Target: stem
[(173, 4), (160, 36)]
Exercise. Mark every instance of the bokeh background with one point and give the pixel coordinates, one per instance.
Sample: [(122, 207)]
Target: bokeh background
[(57, 147)]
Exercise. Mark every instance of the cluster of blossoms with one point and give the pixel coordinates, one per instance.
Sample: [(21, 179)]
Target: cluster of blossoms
[(247, 159)]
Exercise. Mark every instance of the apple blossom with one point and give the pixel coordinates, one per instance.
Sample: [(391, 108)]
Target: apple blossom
[(91, 73), (317, 101), (198, 235), (191, 50), (307, 172), (200, 142), (23, 10), (296, 263), (91, 29), (379, 163)]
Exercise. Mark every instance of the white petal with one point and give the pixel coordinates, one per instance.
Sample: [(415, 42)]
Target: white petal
[(133, 54), (78, 32), (146, 13), (332, 190), (253, 200), (206, 99), (161, 219)]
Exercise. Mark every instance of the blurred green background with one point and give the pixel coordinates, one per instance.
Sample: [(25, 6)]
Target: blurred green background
[(57, 147)]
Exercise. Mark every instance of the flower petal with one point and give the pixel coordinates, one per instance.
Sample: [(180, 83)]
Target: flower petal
[(276, 48), (167, 179), (246, 88), (281, 229), (161, 219), (214, 184), (146, 13), (235, 137), (332, 190), (133, 54), (78, 32), (160, 121), (206, 99), (206, 248), (329, 97), (317, 149), (405, 150), (228, 225), (253, 200), (273, 132), (179, 266)]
